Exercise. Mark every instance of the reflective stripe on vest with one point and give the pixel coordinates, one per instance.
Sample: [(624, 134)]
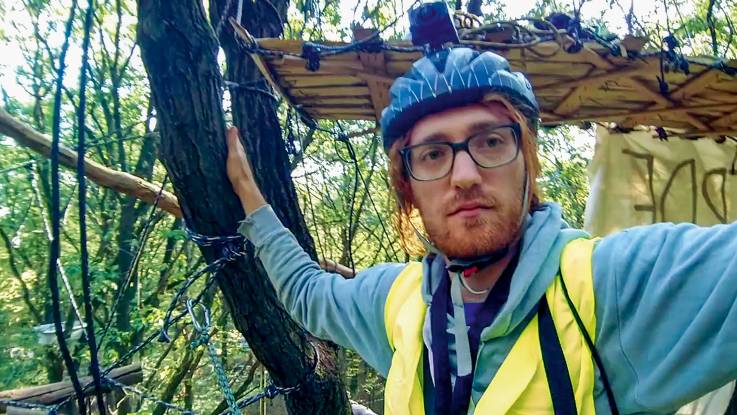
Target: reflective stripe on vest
[(520, 385)]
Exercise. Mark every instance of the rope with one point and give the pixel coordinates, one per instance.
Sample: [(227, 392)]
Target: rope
[(55, 247), (250, 86), (131, 389), (25, 164), (50, 409), (141, 243), (203, 329), (272, 390), (146, 342), (342, 137), (82, 195), (232, 248), (49, 235), (309, 195), (378, 214), (223, 18)]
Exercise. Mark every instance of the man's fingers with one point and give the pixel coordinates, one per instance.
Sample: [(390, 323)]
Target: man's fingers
[(233, 140)]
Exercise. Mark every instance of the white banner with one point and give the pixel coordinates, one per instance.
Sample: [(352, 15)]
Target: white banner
[(636, 179)]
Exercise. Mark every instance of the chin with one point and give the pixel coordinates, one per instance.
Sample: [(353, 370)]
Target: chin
[(473, 237)]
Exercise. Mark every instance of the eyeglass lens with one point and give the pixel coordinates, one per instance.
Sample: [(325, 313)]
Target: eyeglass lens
[(488, 149)]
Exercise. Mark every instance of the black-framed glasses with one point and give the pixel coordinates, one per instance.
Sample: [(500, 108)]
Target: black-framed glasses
[(493, 147)]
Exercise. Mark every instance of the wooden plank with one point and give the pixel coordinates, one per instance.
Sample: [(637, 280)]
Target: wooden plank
[(259, 60), (595, 79), (407, 57), (293, 46), (727, 120), (317, 101), (714, 133), (694, 85), (321, 80), (342, 116), (342, 110), (572, 101), (347, 67), (570, 71), (379, 89), (663, 102), (373, 62), (394, 68), (56, 392), (342, 91), (652, 113), (379, 96), (296, 70)]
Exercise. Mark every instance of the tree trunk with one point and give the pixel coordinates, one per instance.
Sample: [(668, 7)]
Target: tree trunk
[(179, 52)]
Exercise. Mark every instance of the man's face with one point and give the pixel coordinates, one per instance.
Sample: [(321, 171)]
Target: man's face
[(472, 210)]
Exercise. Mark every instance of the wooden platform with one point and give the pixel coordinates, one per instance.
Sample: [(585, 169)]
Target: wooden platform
[(589, 85)]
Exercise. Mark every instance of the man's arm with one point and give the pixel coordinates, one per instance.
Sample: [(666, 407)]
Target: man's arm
[(666, 313), (347, 312)]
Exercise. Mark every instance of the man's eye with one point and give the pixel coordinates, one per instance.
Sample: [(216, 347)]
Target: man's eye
[(494, 141), (432, 155)]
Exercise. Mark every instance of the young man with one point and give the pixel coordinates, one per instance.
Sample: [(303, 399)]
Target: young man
[(510, 311)]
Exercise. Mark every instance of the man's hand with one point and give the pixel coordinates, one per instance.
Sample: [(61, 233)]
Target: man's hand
[(241, 175)]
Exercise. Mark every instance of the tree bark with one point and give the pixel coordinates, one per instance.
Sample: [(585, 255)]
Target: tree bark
[(179, 52)]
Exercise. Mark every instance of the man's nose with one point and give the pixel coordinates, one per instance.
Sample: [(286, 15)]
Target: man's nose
[(465, 173)]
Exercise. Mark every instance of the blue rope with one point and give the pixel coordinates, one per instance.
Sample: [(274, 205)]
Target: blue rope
[(232, 247), (50, 409), (55, 247), (203, 329), (147, 397), (82, 195)]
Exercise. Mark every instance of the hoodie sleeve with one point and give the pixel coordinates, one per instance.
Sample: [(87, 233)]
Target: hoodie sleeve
[(666, 314), (349, 312)]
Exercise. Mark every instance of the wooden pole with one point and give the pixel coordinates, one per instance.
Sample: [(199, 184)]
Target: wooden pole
[(56, 392)]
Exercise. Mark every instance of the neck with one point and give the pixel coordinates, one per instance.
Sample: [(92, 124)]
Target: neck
[(486, 278)]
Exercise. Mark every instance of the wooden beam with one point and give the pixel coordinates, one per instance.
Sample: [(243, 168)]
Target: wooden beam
[(663, 102), (572, 102), (556, 119), (335, 91), (262, 65), (712, 133), (379, 88), (726, 120), (695, 85), (595, 79), (58, 391), (112, 179)]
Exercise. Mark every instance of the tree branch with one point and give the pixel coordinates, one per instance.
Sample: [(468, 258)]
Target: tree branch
[(119, 181)]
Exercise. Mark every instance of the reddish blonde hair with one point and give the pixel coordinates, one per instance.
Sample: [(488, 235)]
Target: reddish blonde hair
[(406, 213)]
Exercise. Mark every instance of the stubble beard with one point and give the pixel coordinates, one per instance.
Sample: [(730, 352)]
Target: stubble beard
[(482, 235)]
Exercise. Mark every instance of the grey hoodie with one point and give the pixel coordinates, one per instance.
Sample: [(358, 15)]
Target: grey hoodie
[(665, 312)]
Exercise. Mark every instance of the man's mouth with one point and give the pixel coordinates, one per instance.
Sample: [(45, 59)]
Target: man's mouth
[(469, 209)]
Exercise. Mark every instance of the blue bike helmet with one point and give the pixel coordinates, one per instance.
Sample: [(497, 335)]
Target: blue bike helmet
[(450, 78)]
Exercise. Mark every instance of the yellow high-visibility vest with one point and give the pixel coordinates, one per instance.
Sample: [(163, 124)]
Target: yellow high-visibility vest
[(520, 386)]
